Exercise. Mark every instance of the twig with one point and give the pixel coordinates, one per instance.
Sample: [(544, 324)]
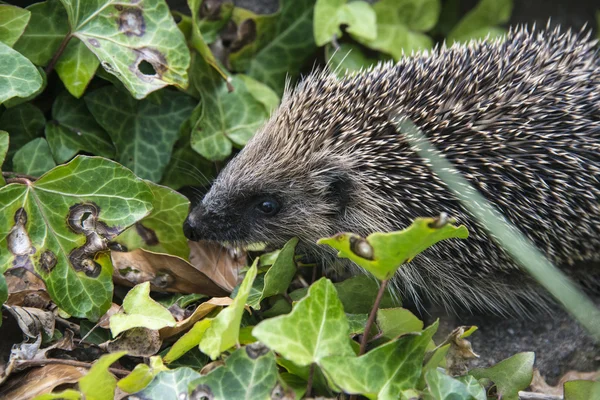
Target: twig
[(39, 363), (61, 49), (311, 373), (538, 396), (371, 320)]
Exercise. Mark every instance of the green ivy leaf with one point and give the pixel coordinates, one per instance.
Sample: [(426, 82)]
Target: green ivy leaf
[(283, 43), (510, 375), (99, 383), (582, 390), (394, 322), (358, 16), (357, 294), (3, 292), (68, 394), (248, 373), (23, 123), (13, 21), (169, 385), (444, 387), (141, 375), (401, 25), (277, 278), (188, 341), (225, 116), (60, 224), (214, 21), (76, 67), (15, 101), (128, 38), (161, 231), (383, 372), (73, 129), (35, 158), (3, 150), (46, 30), (388, 251), (18, 76), (143, 131), (140, 310), (224, 329), (482, 20), (316, 328)]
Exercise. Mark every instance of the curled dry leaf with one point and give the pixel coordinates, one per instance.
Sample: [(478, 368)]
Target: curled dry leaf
[(32, 321), (212, 270), (200, 312), (460, 350), (140, 342), (40, 380), (104, 321), (26, 289), (539, 384)]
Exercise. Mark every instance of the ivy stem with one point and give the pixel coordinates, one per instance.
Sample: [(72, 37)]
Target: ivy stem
[(61, 49), (309, 384), (371, 320)]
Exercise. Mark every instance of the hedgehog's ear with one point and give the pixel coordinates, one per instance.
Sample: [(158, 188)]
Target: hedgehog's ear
[(340, 188)]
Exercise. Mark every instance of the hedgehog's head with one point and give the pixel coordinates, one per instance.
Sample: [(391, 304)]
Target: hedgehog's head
[(291, 179)]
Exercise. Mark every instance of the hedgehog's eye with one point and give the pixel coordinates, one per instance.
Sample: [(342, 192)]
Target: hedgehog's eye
[(268, 207)]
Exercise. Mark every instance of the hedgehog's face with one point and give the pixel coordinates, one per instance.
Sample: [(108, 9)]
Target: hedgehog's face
[(257, 198)]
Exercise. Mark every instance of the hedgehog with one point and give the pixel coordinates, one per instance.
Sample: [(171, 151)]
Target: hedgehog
[(517, 116)]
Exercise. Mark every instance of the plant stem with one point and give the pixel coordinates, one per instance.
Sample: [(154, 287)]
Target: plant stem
[(61, 49), (311, 373), (371, 320)]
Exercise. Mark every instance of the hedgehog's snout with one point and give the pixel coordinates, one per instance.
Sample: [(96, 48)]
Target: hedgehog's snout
[(191, 226)]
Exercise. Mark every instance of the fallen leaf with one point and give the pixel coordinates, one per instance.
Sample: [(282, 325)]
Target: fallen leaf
[(40, 380), (140, 342), (201, 311)]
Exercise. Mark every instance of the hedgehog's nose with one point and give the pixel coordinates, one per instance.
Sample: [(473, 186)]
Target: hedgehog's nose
[(190, 229)]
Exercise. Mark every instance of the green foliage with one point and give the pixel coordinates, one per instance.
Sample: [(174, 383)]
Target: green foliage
[(383, 253), (140, 311), (98, 71)]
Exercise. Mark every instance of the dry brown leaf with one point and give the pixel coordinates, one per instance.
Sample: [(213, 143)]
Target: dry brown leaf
[(539, 384), (217, 262), (40, 380), (460, 351), (200, 312), (26, 289), (32, 321), (104, 321), (140, 342), (166, 273)]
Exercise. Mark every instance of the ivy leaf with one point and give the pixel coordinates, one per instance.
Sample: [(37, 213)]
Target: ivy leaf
[(169, 385), (277, 278), (444, 387), (162, 230), (139, 43), (140, 310), (581, 390), (482, 20), (358, 16), (143, 131), (357, 294), (3, 150), (35, 158), (76, 67), (188, 341), (18, 76), (249, 373), (510, 375), (73, 129), (46, 30), (214, 18), (394, 322), (60, 224), (68, 394), (13, 21), (316, 328), (3, 291), (24, 123), (401, 25), (225, 116), (285, 44), (15, 101), (383, 372), (142, 375), (383, 253), (99, 383), (224, 329)]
